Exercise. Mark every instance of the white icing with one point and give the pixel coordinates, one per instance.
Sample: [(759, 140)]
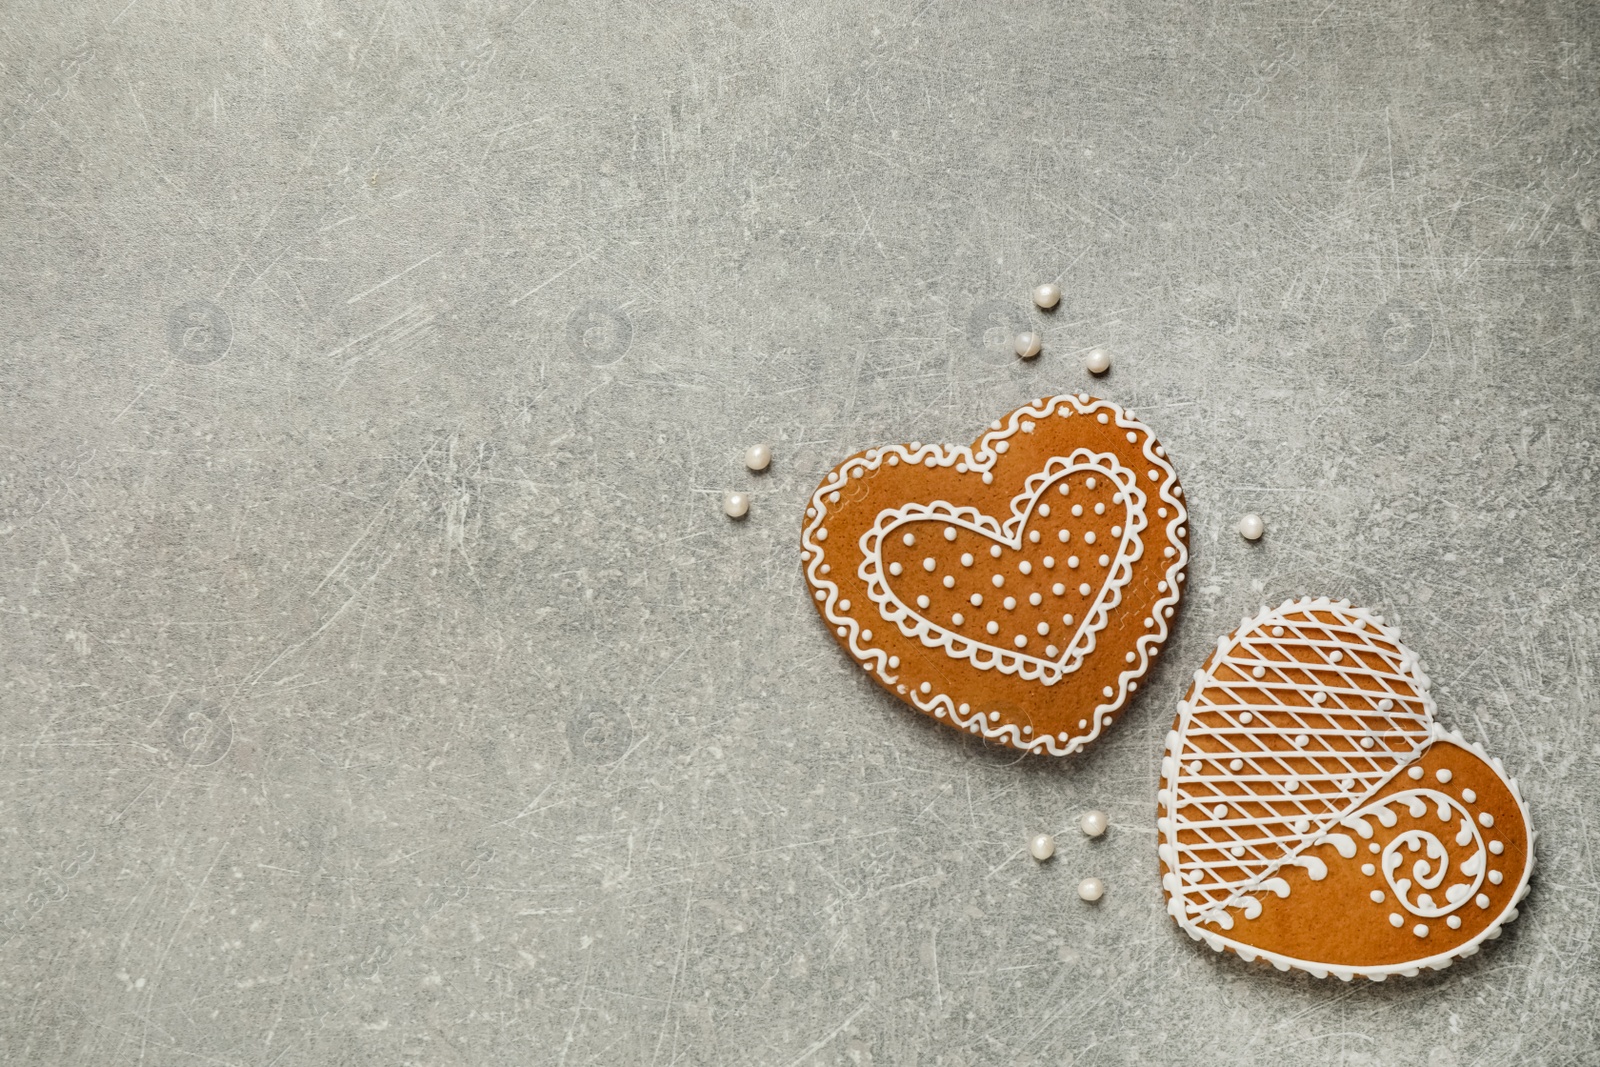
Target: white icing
[(1297, 752), (1010, 532)]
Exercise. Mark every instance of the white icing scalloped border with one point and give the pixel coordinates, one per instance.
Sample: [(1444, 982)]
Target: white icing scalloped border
[(980, 461), (1410, 969), (1009, 661)]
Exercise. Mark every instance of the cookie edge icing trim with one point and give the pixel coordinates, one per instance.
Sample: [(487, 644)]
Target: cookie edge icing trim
[(981, 460)]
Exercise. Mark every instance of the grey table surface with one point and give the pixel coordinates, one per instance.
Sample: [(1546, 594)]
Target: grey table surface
[(383, 685)]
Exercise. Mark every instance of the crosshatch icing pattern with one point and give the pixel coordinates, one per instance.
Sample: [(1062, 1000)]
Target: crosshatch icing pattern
[(1017, 588), (1307, 747)]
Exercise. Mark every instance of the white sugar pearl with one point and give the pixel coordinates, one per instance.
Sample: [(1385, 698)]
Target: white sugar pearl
[(1098, 361), (735, 505), (1047, 295), (1091, 889), (756, 457), (1043, 846), (1093, 823), (1251, 527), (1028, 344)]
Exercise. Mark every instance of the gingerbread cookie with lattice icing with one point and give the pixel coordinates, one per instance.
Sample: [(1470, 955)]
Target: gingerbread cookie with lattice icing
[(1018, 587), (1313, 815)]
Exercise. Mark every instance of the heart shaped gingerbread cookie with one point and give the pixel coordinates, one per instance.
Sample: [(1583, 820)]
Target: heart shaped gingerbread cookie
[(1017, 587), (1313, 815)]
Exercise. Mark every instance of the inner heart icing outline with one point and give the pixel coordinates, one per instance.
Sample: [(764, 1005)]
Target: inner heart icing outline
[(983, 655), (992, 491)]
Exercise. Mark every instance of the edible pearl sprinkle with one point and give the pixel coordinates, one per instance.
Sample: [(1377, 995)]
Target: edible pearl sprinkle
[(735, 505), (1093, 823), (1098, 361), (1091, 889), (1047, 295), (756, 457), (1028, 344), (1043, 846), (1251, 527)]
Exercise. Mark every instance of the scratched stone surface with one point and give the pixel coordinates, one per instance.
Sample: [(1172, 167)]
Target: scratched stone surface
[(383, 685)]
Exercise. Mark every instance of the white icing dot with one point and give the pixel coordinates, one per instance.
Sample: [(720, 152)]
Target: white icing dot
[(1220, 811), (1044, 510), (1105, 561), (895, 569), (1051, 651), (998, 580), (1102, 418), (1246, 718), (1319, 697), (1236, 851), (1420, 930), (1043, 628), (1100, 509), (1035, 599), (1497, 847), (1132, 437), (841, 631), (922, 602), (1469, 796), (1482, 900), (1062, 488), (1020, 641), (929, 564), (1149, 622), (1090, 482), (1058, 589), (977, 600), (1083, 590), (1154, 477), (1415, 774), (1236, 765), (992, 627), (1072, 561), (1161, 512), (1128, 657), (949, 581), (1049, 563), (926, 687), (1495, 877), (1194, 766), (1010, 602), (894, 662), (958, 619), (1169, 552), (833, 498), (1454, 922), (966, 559), (1302, 826), (844, 605), (1336, 656), (1025, 567), (1367, 742), (811, 513), (1385, 704), (1258, 672), (994, 551), (1277, 631), (1088, 537), (1107, 691), (1485, 819), (1395, 920), (909, 540), (949, 533), (1443, 774), (1368, 869), (1377, 896), (1066, 620), (1290, 785), (1302, 740), (994, 716), (1373, 847)]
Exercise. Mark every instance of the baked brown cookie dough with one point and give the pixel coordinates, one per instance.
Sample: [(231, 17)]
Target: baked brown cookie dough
[(1019, 587), (1313, 815)]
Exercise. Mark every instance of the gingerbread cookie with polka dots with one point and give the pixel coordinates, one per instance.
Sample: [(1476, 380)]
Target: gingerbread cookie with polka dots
[(1019, 587), (1314, 816)]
